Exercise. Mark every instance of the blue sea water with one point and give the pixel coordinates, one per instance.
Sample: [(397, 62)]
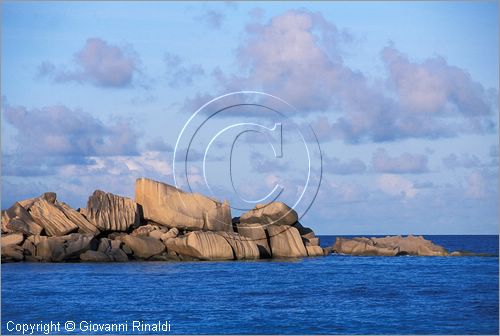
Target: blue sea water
[(325, 295)]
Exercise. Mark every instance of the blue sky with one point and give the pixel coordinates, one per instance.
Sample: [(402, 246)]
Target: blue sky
[(403, 97)]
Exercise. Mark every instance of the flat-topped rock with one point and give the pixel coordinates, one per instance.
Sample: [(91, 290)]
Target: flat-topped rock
[(389, 246), (167, 205), (109, 212)]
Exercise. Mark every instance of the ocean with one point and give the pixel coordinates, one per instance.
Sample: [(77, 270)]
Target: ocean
[(325, 295)]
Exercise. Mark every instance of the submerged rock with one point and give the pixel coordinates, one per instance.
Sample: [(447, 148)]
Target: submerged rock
[(167, 205), (389, 246)]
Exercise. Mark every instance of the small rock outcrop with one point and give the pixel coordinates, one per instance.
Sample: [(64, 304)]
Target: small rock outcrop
[(172, 207), (109, 212), (389, 246)]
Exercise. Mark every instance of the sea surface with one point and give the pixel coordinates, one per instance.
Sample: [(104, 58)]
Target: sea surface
[(325, 295)]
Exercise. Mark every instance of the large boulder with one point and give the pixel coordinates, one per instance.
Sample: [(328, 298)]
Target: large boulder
[(167, 205), (389, 246), (143, 247), (94, 256), (11, 239), (202, 245), (12, 253), (84, 225), (109, 212), (59, 249), (243, 248), (18, 219), (112, 248), (256, 233), (286, 242), (49, 216), (274, 213)]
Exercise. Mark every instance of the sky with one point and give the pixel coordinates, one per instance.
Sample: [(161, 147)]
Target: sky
[(367, 117)]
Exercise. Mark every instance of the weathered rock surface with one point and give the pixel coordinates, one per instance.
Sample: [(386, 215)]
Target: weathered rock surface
[(112, 248), (58, 249), (314, 251), (172, 233), (202, 245), (84, 225), (11, 239), (145, 230), (389, 246), (243, 248), (167, 205), (12, 253), (18, 219), (95, 256), (285, 242), (307, 234), (277, 213), (143, 247), (109, 212), (256, 233), (51, 218)]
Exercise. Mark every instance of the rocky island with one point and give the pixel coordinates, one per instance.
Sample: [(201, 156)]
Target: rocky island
[(164, 223)]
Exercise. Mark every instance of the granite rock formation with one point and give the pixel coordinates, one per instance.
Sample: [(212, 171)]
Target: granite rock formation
[(172, 207), (167, 224), (389, 246), (109, 212)]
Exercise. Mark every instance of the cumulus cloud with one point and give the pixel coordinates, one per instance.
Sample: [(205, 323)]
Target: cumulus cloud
[(398, 186), (179, 73), (402, 164), (476, 185), (336, 166), (212, 18), (463, 160), (98, 63), (298, 56), (57, 135)]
